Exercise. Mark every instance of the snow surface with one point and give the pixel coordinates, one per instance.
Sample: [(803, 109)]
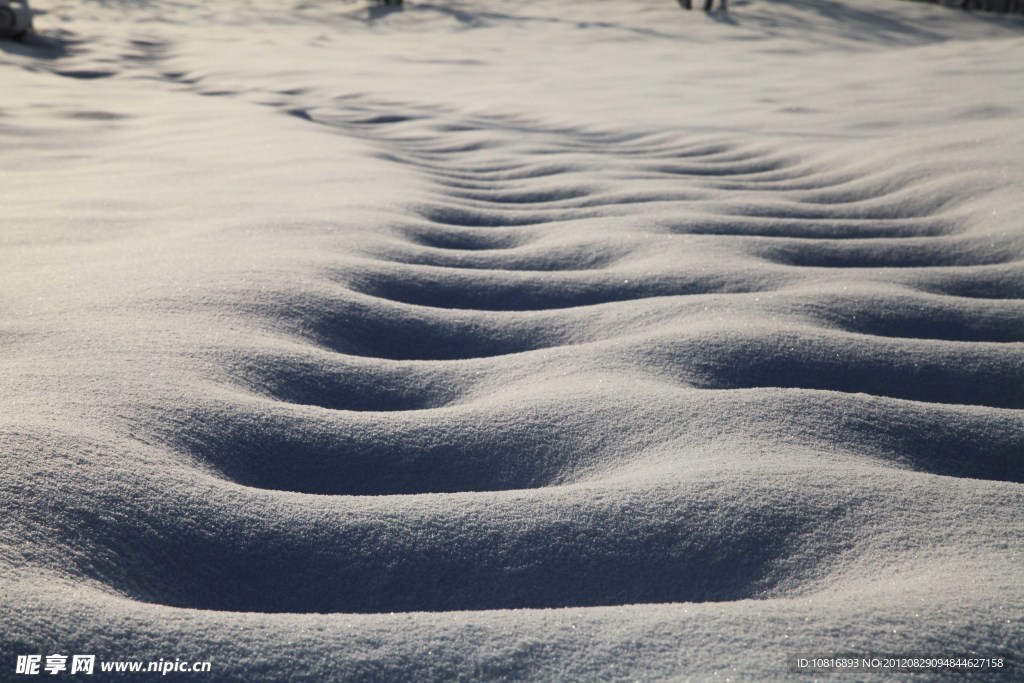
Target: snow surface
[(511, 340)]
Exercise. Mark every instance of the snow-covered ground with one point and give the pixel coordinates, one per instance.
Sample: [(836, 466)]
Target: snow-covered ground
[(494, 339)]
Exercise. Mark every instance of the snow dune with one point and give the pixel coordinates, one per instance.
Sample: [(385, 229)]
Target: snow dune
[(525, 340)]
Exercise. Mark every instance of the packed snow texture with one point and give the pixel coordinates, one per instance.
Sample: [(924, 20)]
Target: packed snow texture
[(504, 339)]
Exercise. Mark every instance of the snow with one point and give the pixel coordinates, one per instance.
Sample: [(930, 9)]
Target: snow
[(511, 340)]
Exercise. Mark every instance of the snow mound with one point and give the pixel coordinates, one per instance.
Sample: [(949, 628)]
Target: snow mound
[(511, 340)]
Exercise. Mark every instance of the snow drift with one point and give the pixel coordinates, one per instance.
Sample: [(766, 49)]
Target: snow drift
[(526, 340)]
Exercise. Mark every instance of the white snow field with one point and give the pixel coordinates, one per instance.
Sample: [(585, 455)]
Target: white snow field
[(511, 340)]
